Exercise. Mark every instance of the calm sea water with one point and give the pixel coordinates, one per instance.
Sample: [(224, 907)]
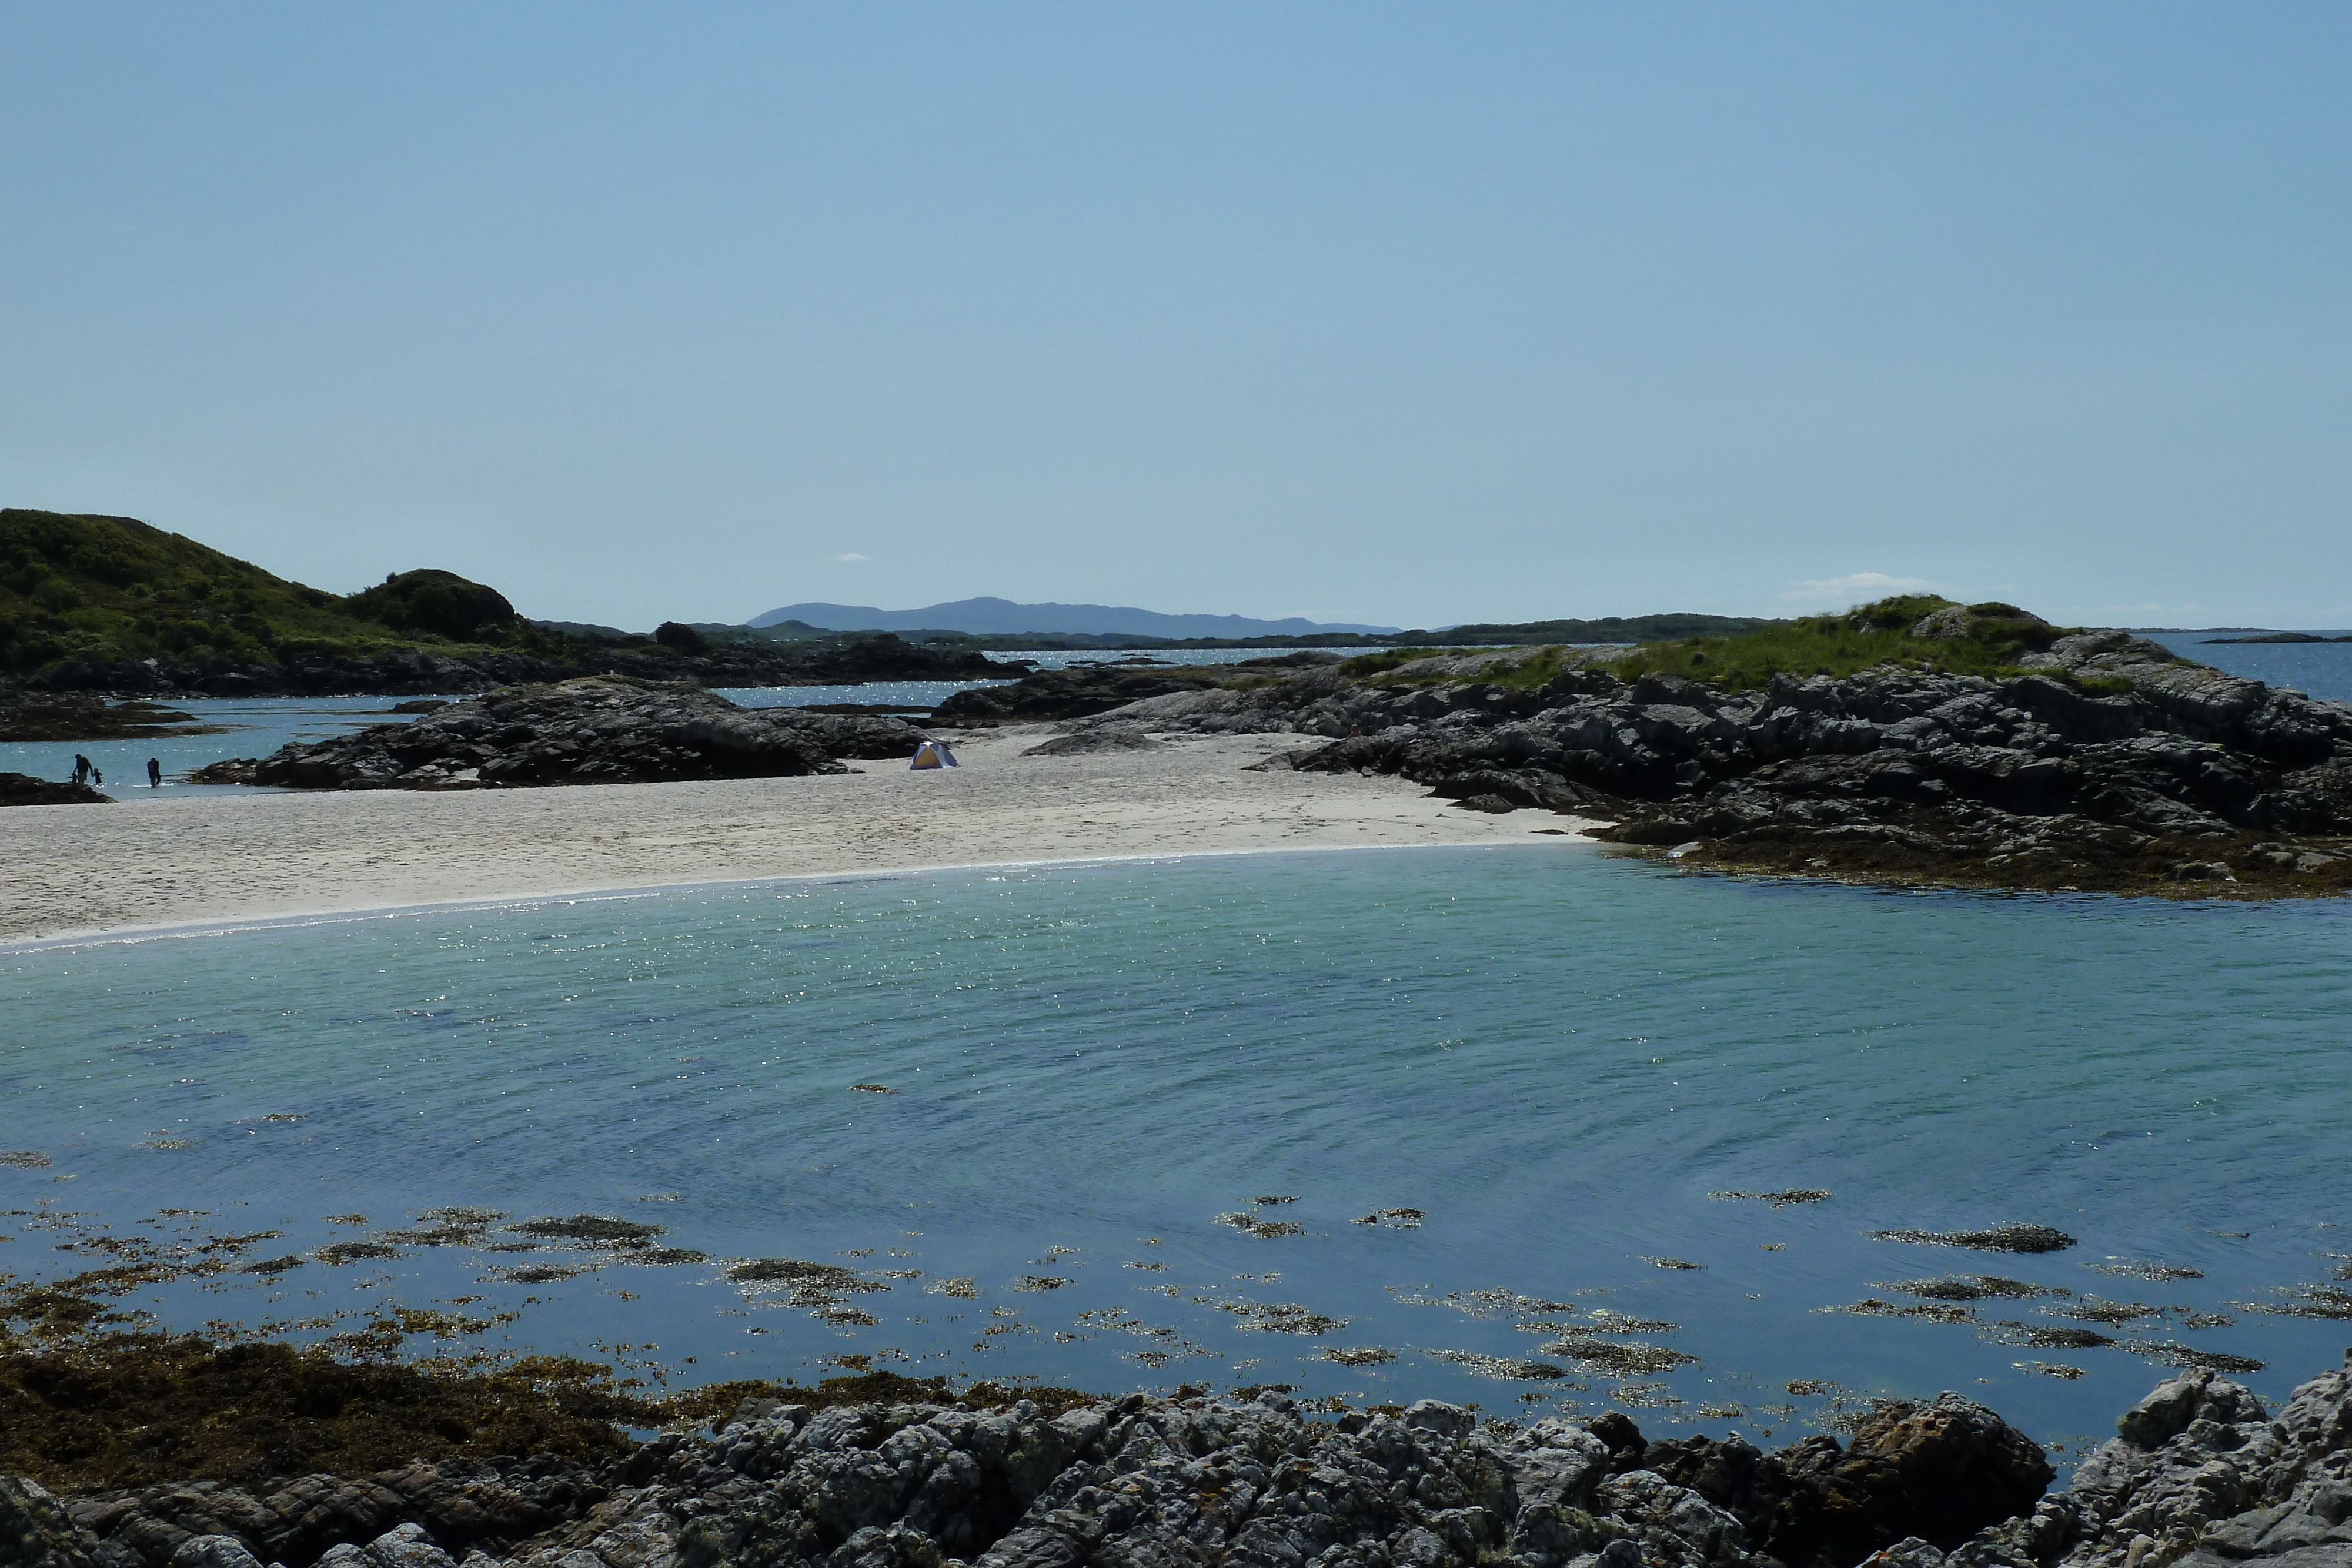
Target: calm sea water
[(2315, 669), (255, 727), (1539, 1062)]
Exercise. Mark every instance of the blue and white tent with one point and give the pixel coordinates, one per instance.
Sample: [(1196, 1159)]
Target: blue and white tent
[(932, 754)]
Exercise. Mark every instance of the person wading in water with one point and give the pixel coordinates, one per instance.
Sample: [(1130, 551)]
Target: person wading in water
[(154, 774)]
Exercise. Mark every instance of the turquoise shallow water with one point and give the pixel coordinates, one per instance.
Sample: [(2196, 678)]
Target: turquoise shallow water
[(1554, 1056)]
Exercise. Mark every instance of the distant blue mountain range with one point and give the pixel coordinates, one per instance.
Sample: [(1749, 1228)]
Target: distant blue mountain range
[(1001, 615)]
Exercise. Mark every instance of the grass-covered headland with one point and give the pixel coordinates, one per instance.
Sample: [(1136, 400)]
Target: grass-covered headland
[(111, 604), (83, 587)]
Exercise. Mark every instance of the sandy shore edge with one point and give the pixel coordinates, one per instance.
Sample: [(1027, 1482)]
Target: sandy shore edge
[(78, 874)]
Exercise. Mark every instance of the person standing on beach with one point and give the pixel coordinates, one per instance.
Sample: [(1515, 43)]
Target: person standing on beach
[(81, 768), (154, 774)]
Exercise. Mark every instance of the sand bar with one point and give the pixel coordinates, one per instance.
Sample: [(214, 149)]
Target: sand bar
[(73, 870)]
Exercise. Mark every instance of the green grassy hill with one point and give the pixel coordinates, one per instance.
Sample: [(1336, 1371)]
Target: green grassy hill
[(1976, 640), (86, 587)]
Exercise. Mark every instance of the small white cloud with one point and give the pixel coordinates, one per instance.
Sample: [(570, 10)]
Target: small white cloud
[(852, 556), (1859, 588)]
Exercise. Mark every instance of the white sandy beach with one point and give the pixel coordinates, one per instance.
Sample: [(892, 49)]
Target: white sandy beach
[(72, 870)]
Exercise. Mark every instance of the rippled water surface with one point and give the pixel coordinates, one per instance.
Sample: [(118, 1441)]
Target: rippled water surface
[(2315, 669), (1529, 1068)]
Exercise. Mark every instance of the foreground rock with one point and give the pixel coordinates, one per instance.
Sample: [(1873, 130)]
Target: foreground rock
[(1130, 1481), (2199, 1476), (606, 730), (2112, 765)]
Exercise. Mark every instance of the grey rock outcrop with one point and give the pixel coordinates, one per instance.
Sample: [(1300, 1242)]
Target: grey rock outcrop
[(213, 1551), (1136, 1482), (2201, 1476), (605, 730), (36, 1532), (454, 1506)]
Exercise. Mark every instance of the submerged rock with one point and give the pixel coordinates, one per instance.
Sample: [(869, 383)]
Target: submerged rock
[(601, 730)]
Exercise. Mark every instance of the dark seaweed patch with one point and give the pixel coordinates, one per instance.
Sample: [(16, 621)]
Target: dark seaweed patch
[(1508, 1368), (1777, 1199), (2166, 1354), (1253, 1225), (2154, 1273), (2058, 1369), (2315, 1302), (1999, 1239), (2046, 1336), (1922, 1312), (1618, 1360), (273, 1265), (2114, 1313), (1280, 1317), (1968, 1288), (590, 1227), (342, 1252)]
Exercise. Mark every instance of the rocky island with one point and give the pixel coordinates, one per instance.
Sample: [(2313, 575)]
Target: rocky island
[(2199, 1474), (599, 730), (1912, 741)]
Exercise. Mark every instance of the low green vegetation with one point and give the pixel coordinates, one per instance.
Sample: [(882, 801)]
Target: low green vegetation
[(1987, 639), (1363, 666), (1607, 629), (1513, 669), (1977, 640)]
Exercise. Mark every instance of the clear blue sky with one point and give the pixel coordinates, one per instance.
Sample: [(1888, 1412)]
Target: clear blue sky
[(1360, 311)]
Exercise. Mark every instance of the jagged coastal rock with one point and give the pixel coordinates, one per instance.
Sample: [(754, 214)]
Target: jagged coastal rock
[(601, 730), (2201, 1475), (2109, 764)]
